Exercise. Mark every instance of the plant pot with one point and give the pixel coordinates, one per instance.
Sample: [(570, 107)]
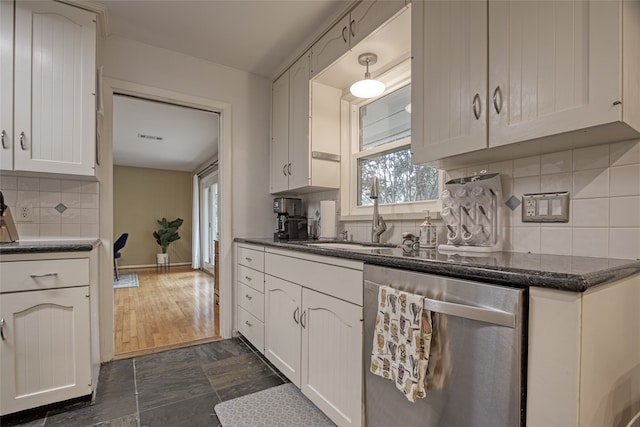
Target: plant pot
[(162, 259)]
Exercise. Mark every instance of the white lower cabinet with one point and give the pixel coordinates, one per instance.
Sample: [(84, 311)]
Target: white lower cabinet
[(250, 293), (45, 353), (251, 327), (583, 353), (332, 356), (282, 320), (49, 350), (314, 337)]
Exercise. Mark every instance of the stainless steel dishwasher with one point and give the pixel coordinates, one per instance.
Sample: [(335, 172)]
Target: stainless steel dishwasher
[(478, 370)]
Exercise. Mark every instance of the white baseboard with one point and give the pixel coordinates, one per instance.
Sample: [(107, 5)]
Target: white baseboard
[(131, 267)]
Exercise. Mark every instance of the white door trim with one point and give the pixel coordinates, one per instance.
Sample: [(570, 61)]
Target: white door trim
[(109, 87)]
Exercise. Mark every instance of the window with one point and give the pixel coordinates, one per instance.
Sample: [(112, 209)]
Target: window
[(384, 140)]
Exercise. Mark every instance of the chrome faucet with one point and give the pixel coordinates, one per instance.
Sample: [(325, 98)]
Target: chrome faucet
[(379, 226)]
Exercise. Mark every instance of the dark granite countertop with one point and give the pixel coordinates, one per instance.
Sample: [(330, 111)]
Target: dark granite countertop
[(46, 246), (568, 273)]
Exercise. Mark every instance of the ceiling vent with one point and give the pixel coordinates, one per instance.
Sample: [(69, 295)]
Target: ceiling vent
[(152, 137)]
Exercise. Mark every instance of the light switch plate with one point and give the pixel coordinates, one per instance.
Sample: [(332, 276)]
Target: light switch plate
[(545, 207)]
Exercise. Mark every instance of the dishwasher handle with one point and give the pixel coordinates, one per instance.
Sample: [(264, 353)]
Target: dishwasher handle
[(481, 314)]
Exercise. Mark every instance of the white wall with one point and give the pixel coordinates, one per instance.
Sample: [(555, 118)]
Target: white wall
[(244, 102), (250, 99)]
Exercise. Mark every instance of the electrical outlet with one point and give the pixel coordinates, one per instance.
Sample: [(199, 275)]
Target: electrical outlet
[(24, 212), (545, 207), (530, 207)]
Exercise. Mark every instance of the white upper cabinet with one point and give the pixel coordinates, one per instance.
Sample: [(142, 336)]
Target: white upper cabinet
[(449, 84), (6, 84), (290, 128), (369, 15), (299, 112), (553, 67), (363, 20), (305, 133), (279, 155), (330, 47), (54, 88)]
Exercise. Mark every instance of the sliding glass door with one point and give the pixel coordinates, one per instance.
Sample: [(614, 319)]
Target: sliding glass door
[(209, 219)]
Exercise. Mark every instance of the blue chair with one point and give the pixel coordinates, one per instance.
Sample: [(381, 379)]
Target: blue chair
[(117, 247)]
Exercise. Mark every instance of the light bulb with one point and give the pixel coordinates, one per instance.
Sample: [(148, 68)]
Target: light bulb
[(367, 88)]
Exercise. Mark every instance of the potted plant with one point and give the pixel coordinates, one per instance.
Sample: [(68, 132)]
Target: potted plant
[(165, 235)]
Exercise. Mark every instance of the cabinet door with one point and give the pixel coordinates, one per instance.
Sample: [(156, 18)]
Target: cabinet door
[(299, 108), (6, 84), (368, 16), (46, 351), (279, 179), (554, 67), (449, 85), (282, 328), (54, 88), (332, 356), (330, 47)]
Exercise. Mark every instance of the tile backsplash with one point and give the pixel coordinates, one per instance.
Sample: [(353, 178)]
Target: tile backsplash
[(604, 186), (62, 208)]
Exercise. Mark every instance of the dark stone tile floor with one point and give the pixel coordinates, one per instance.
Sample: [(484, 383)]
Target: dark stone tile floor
[(173, 388)]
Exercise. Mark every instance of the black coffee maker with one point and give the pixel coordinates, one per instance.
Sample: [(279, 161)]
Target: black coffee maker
[(290, 223)]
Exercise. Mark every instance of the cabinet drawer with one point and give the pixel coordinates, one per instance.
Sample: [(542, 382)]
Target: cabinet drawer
[(251, 300), (46, 274), (251, 258), (251, 328), (340, 282), (251, 277)]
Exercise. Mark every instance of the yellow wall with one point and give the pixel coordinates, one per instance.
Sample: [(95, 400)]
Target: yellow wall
[(142, 196)]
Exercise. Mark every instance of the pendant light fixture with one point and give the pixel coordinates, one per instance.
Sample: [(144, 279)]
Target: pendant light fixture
[(367, 88)]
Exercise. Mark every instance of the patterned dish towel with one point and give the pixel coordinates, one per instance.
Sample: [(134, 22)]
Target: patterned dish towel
[(401, 341)]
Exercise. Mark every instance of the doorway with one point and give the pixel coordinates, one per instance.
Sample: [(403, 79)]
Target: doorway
[(109, 87), (158, 147)]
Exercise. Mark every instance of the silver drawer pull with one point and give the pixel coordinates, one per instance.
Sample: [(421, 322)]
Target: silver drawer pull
[(2, 329), (477, 107), (246, 322), (497, 99), (35, 276), (247, 296), (248, 278), (248, 259)]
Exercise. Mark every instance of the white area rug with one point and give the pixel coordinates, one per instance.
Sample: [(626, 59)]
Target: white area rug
[(282, 406), (126, 280)]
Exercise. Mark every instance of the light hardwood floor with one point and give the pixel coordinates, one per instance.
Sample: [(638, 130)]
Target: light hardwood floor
[(167, 310)]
